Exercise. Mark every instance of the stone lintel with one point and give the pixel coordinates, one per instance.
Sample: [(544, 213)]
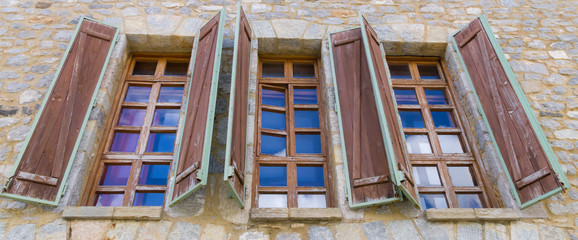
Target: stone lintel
[(470, 214), (112, 213)]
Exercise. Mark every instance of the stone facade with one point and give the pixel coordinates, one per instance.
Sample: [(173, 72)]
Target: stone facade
[(539, 38)]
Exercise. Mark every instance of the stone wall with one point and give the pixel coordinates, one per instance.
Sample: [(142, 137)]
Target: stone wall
[(538, 36)]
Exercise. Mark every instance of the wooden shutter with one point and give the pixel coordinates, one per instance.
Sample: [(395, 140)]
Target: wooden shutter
[(401, 165), (238, 103), (194, 148), (525, 152), (41, 171)]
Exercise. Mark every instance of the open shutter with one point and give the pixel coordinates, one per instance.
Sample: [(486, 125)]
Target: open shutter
[(192, 159), (534, 171), (400, 160), (238, 103), (41, 171)]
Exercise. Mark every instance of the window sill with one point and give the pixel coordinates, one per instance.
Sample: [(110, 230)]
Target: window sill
[(471, 214), (112, 213), (281, 214)]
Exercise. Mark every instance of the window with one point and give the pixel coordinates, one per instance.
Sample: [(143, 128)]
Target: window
[(443, 165), (137, 151), (291, 167)]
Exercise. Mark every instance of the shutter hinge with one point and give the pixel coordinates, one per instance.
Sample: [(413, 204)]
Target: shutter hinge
[(5, 188), (399, 177), (200, 175), (64, 190), (229, 171)]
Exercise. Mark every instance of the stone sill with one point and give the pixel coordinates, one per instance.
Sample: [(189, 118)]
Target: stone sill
[(471, 214), (112, 213), (302, 214)]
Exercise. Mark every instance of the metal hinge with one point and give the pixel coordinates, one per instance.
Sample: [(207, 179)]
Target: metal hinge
[(64, 189), (399, 177), (229, 171)]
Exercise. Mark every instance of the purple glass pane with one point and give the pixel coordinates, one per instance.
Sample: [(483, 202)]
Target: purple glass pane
[(171, 94), (405, 97), (161, 142), (109, 200), (124, 142), (166, 117), (435, 97), (305, 96), (149, 199), (137, 94), (153, 174), (115, 175), (131, 117)]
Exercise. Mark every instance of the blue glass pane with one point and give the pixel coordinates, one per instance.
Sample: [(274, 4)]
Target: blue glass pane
[(469, 201), (435, 97), (273, 145), (272, 176), (310, 177), (399, 71), (161, 142), (432, 201), (428, 72), (112, 200), (418, 144), (273, 120), (171, 94), (307, 143), (154, 174), (443, 119), (131, 117), (273, 97), (405, 97), (149, 199), (305, 96), (137, 94), (306, 119), (124, 142), (115, 175), (166, 117), (411, 119)]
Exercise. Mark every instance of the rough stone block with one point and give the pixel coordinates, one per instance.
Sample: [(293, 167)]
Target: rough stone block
[(376, 231), (403, 229), (289, 28), (320, 233), (470, 231)]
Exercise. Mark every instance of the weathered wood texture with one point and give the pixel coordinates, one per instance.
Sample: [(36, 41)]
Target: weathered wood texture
[(239, 132), (525, 158), (191, 152), (364, 145), (44, 161)]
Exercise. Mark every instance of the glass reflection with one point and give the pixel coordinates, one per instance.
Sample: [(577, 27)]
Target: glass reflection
[(109, 200), (166, 117), (161, 142), (154, 174), (426, 176), (303, 70), (399, 71), (308, 143), (461, 176), (144, 68), (137, 94), (432, 201), (428, 72), (435, 97), (418, 144), (273, 145), (469, 200), (411, 119), (124, 142), (272, 200), (148, 199), (131, 117), (405, 97), (306, 119), (304, 96), (115, 175), (171, 94), (273, 70), (443, 119), (273, 97), (311, 201), (450, 143), (272, 176), (310, 176), (273, 120), (176, 69)]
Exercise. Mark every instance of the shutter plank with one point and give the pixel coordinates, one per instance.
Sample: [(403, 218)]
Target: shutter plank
[(44, 163), (238, 107), (197, 133), (524, 155)]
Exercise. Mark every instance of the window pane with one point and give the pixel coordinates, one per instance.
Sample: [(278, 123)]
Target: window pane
[(311, 201), (273, 145), (435, 97), (306, 119), (426, 176), (144, 68), (115, 175), (417, 144), (272, 176), (303, 70), (308, 143), (176, 68), (161, 142), (405, 97), (304, 96), (461, 176), (469, 201), (273, 70), (166, 117), (411, 119), (109, 200), (137, 94), (432, 201), (148, 199), (273, 97), (154, 174), (272, 200), (450, 143), (273, 120), (399, 71), (443, 119), (124, 142), (428, 72), (131, 117), (171, 94), (310, 177)]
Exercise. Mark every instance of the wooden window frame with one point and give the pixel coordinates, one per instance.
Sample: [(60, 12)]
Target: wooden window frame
[(140, 157), (292, 159), (470, 157)]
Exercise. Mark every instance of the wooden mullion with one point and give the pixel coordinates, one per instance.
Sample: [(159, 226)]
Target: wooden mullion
[(132, 182), (150, 188), (148, 119), (428, 121), (307, 130), (306, 106), (274, 132), (127, 129), (290, 117), (274, 108), (292, 185), (449, 131), (134, 105), (163, 129), (116, 189)]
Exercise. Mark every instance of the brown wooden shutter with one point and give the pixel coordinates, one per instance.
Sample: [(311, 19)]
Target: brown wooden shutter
[(405, 183), (524, 156), (44, 163), (194, 150), (238, 104)]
